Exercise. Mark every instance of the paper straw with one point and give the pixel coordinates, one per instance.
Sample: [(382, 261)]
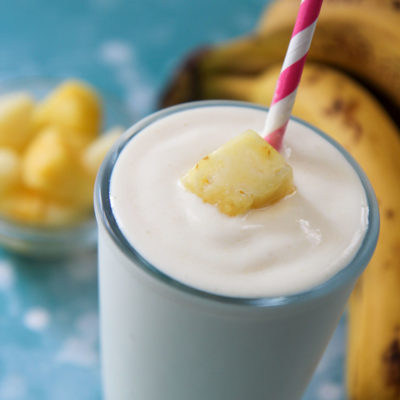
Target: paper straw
[(292, 68)]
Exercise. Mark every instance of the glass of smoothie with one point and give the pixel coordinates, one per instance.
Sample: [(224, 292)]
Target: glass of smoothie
[(197, 305)]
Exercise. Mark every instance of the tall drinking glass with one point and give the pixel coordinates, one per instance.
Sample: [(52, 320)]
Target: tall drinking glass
[(162, 339)]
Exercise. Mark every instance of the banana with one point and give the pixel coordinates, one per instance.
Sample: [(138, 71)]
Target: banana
[(279, 12), (360, 37), (342, 108)]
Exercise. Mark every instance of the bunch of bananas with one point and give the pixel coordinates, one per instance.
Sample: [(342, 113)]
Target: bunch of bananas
[(351, 90)]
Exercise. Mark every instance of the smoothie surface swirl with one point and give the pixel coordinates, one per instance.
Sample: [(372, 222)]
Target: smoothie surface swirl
[(288, 247)]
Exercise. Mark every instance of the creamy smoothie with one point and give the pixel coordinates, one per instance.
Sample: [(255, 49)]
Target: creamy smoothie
[(197, 305), (288, 247)]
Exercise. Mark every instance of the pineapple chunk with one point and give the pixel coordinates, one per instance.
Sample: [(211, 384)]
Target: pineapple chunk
[(73, 107), (9, 169), (31, 207), (52, 166), (22, 205), (97, 150), (62, 213), (244, 173), (16, 111)]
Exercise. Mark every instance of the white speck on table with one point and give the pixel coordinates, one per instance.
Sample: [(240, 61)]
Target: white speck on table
[(6, 275), (36, 319)]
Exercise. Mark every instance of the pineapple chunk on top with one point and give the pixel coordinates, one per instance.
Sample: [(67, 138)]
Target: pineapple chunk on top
[(244, 173)]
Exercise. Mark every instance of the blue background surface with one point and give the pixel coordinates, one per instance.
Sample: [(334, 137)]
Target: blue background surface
[(129, 49)]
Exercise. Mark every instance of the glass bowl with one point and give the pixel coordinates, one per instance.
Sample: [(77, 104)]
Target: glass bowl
[(60, 241)]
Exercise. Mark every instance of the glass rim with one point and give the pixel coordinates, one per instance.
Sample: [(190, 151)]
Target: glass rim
[(106, 217)]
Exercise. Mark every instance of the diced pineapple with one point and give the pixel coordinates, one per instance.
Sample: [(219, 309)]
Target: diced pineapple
[(9, 169), (61, 213), (75, 108), (97, 150), (52, 166), (22, 205), (49, 154), (244, 173), (32, 207), (15, 119)]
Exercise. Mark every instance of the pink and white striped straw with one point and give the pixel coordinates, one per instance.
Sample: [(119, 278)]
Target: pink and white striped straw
[(292, 68)]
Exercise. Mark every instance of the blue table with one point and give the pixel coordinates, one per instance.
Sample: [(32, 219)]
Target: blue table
[(48, 311)]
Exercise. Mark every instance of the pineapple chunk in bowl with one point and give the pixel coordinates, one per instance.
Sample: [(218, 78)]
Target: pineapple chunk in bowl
[(54, 134)]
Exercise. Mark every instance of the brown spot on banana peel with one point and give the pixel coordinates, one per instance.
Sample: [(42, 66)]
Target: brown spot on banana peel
[(347, 110), (396, 5), (386, 265), (336, 107), (313, 77), (396, 249), (357, 129), (391, 363), (348, 40), (389, 214)]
